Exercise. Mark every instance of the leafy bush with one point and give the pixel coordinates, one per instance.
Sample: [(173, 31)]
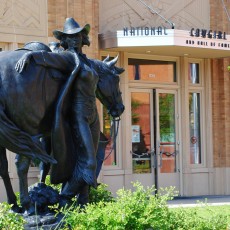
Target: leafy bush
[(10, 220), (140, 210), (54, 186), (100, 194), (136, 209)]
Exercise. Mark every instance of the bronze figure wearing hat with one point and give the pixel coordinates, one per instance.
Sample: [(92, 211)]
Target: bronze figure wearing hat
[(71, 27), (84, 119)]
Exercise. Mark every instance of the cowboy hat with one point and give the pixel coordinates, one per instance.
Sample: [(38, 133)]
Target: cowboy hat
[(70, 27)]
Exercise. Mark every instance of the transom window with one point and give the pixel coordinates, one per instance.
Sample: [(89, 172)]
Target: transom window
[(152, 70)]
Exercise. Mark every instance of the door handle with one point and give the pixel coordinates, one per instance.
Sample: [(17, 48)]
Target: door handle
[(160, 154), (161, 150), (176, 163), (154, 158)]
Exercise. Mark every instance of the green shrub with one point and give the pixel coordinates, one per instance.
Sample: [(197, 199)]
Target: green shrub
[(141, 210), (10, 220), (100, 194), (54, 186), (138, 209)]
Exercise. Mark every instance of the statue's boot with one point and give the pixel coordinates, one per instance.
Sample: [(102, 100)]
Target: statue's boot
[(30, 211), (72, 188), (83, 197)]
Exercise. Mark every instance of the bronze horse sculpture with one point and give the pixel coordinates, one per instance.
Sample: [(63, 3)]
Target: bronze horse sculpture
[(28, 104)]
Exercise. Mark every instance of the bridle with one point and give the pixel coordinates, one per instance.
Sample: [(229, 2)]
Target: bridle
[(114, 138), (109, 102)]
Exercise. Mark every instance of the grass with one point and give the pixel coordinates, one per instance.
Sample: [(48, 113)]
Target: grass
[(204, 211), (207, 212)]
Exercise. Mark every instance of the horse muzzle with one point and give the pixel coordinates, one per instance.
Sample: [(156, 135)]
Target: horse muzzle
[(117, 110)]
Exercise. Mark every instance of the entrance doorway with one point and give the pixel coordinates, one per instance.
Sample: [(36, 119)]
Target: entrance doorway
[(155, 139)]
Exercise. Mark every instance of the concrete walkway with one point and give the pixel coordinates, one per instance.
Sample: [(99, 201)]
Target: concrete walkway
[(199, 201)]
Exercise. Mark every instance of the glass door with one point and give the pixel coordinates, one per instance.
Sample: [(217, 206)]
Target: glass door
[(154, 136), (167, 141), (142, 136)]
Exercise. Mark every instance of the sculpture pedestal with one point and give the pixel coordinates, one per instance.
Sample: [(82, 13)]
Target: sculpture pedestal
[(44, 222), (43, 196)]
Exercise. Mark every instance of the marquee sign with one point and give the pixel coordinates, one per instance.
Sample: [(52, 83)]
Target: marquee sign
[(144, 31), (153, 36), (208, 34), (217, 43)]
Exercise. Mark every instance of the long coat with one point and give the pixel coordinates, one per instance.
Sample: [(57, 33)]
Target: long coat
[(63, 149)]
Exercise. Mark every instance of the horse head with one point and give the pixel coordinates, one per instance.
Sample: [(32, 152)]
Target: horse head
[(108, 87)]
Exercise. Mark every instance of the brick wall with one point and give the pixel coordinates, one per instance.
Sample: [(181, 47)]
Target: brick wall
[(83, 11), (220, 89)]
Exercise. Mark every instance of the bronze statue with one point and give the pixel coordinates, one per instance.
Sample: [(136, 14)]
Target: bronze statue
[(84, 121), (55, 96)]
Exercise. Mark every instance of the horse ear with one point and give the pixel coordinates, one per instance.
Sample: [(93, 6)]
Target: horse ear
[(106, 59), (112, 62)]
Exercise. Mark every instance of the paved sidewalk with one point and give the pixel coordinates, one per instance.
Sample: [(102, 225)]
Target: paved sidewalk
[(199, 200)]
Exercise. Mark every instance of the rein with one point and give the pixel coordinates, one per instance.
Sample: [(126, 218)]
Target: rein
[(114, 138), (107, 101)]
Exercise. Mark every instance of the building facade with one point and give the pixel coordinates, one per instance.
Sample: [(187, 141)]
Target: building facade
[(175, 130)]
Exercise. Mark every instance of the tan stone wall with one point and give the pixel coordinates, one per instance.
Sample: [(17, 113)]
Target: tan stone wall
[(83, 11), (220, 90), (23, 20), (185, 14)]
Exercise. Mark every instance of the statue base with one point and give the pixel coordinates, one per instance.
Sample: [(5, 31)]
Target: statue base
[(43, 196)]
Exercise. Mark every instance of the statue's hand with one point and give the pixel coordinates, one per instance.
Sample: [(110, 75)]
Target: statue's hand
[(23, 62)]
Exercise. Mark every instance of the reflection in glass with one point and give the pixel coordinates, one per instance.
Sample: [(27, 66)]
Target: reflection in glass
[(194, 125), (152, 70), (194, 73), (167, 133), (110, 157), (140, 108)]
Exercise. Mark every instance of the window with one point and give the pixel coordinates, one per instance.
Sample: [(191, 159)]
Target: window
[(152, 70), (194, 128), (193, 74), (141, 133), (110, 129), (195, 112)]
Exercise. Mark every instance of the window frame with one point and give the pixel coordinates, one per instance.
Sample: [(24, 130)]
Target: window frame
[(133, 83), (198, 88)]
